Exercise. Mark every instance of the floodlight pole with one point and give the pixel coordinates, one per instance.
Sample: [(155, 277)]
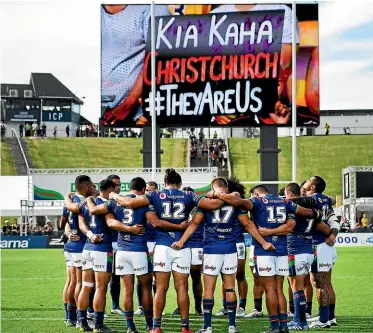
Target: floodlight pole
[(294, 93)]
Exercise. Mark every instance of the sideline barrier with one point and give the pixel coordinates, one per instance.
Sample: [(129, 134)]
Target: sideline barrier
[(23, 242), (354, 239)]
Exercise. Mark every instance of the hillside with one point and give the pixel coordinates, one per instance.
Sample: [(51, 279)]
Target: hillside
[(7, 166), (318, 155)]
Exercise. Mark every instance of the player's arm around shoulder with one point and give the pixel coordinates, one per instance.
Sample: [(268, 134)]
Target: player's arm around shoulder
[(129, 202), (113, 223), (70, 205), (153, 219), (97, 209)]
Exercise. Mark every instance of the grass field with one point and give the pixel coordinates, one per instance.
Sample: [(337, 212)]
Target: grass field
[(7, 165), (32, 282), (321, 155)]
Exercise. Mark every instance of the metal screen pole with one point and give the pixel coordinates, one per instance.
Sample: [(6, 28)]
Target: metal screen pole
[(154, 116), (294, 93)]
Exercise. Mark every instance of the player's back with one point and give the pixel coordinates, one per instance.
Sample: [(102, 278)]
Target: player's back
[(300, 239), (219, 234), (73, 220), (130, 217), (270, 212), (196, 240), (174, 206), (324, 204), (98, 226)]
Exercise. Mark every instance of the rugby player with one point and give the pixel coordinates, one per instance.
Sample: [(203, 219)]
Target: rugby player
[(325, 255), (220, 252), (269, 211), (74, 247), (115, 280), (97, 259), (150, 234), (174, 206), (300, 253)]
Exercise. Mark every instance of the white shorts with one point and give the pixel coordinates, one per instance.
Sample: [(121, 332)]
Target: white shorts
[(73, 259), (300, 264), (166, 259), (241, 251), (132, 263), (272, 265), (251, 256), (98, 261), (151, 246), (214, 264), (335, 255), (323, 260), (197, 256)]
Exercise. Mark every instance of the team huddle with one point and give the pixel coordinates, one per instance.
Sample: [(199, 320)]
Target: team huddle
[(152, 233)]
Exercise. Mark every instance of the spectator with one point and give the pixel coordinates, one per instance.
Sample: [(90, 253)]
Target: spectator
[(225, 158), (27, 130), (55, 132), (345, 225), (44, 131), (301, 131), (364, 221), (20, 127), (3, 130), (200, 136), (15, 227), (37, 229), (7, 229), (33, 127), (48, 229), (67, 131), (327, 129), (215, 135)]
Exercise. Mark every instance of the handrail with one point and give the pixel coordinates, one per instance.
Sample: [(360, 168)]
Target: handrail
[(14, 134)]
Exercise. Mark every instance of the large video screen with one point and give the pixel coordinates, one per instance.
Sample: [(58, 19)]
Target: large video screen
[(216, 65)]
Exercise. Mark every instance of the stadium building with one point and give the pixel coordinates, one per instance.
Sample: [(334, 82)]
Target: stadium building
[(43, 100)]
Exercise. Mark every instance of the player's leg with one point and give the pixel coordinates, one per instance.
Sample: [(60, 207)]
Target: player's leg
[(140, 309), (115, 290), (223, 311), (88, 280), (308, 290), (64, 293), (266, 269), (70, 292), (282, 272), (242, 287), (162, 272), (128, 286), (195, 273), (291, 300), (332, 298), (78, 262), (229, 271), (181, 261), (145, 282)]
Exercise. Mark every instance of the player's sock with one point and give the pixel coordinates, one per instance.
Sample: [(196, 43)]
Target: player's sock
[(91, 296), (324, 313), (66, 312), (232, 307), (99, 319), (129, 319), (283, 317), (138, 294), (72, 312), (258, 304), (275, 322), (208, 305), (148, 314), (115, 291), (198, 303), (156, 323), (331, 311), (300, 307), (154, 287), (242, 304), (224, 301), (291, 306), (309, 308), (185, 323), (82, 317)]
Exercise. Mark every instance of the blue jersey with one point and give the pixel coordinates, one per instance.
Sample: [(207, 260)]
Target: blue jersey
[(300, 239), (151, 232), (173, 206), (75, 247), (98, 226), (130, 217), (219, 235), (65, 213), (239, 230), (323, 203), (196, 240), (270, 212)]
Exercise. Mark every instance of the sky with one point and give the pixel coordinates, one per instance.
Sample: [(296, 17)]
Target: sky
[(63, 38)]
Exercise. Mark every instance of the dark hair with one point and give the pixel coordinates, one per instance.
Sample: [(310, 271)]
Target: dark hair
[(106, 184), (281, 192), (172, 177), (259, 188), (234, 185), (302, 184), (319, 183), (111, 177), (81, 180), (137, 184), (154, 184), (293, 188), (187, 189)]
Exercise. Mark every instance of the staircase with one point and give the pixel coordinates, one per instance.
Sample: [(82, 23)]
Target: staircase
[(17, 156)]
